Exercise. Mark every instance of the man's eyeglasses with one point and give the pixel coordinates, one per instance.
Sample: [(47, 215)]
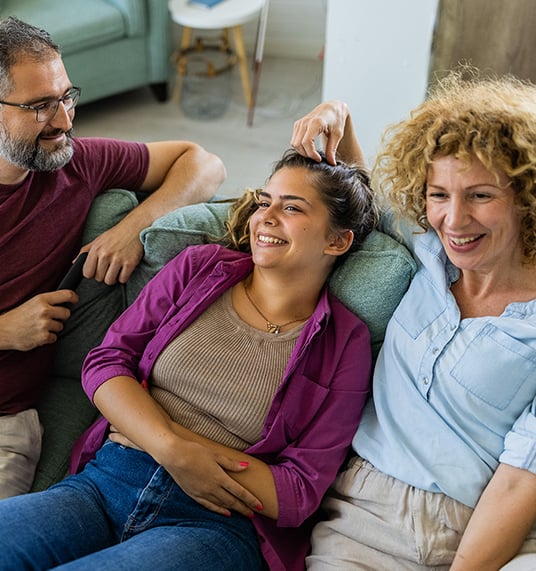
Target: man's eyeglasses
[(47, 111)]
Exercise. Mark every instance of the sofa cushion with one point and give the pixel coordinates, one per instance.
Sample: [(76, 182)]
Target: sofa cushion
[(91, 22), (99, 303), (370, 281), (65, 410), (173, 232)]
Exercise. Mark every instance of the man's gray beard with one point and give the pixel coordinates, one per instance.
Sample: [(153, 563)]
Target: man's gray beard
[(33, 157)]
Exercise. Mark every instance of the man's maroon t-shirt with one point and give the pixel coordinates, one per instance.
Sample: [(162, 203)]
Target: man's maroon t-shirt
[(41, 224)]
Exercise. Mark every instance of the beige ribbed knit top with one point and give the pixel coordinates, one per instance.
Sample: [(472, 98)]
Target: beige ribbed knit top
[(219, 376)]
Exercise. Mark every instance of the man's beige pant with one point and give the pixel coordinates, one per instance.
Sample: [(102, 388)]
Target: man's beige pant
[(20, 448)]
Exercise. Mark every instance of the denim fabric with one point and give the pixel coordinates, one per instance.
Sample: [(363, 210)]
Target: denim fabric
[(123, 512)]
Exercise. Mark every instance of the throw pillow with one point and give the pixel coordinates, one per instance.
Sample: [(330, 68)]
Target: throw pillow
[(370, 281)]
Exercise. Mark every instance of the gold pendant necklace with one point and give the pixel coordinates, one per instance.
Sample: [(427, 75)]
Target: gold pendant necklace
[(270, 327)]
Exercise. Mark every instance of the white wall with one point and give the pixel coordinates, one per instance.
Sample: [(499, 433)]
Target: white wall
[(376, 59), (296, 28)]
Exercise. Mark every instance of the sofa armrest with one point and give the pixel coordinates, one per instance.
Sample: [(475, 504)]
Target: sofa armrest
[(133, 12), (159, 33)]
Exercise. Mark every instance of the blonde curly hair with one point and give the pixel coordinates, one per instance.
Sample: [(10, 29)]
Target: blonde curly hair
[(464, 115)]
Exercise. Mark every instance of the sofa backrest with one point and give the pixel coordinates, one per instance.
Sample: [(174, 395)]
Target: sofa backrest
[(370, 282)]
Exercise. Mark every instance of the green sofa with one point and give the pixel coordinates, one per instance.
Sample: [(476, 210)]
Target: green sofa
[(370, 282), (108, 46)]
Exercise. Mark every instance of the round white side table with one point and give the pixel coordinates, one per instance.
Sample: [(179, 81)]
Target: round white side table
[(228, 15)]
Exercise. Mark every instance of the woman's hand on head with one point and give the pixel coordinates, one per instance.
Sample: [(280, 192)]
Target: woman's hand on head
[(326, 120)]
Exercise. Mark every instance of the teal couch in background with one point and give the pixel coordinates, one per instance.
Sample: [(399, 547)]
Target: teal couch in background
[(108, 46)]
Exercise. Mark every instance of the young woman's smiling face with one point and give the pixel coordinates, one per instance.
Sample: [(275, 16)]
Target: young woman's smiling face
[(291, 228), (474, 214)]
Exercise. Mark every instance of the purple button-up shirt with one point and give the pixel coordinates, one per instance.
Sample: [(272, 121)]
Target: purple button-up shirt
[(314, 413)]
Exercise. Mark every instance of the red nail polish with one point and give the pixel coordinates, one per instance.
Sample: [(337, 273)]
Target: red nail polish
[(259, 507), (244, 464)]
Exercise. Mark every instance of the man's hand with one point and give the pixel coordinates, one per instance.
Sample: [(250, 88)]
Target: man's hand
[(36, 322), (114, 255), (179, 173)]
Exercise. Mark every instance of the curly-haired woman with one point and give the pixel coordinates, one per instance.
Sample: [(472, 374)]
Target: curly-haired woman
[(444, 475)]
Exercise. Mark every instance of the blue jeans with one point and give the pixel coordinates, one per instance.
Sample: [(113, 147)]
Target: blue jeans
[(123, 512)]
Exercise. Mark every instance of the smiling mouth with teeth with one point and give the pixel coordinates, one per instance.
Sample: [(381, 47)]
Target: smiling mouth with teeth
[(463, 241), (269, 240)]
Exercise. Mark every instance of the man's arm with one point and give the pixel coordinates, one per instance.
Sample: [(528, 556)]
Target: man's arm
[(500, 523), (180, 173)]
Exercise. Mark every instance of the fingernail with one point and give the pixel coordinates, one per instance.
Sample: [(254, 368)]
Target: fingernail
[(244, 464), (251, 515), (259, 507)]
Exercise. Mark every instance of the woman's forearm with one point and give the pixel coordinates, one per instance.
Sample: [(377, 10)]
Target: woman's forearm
[(500, 523), (133, 412), (349, 148)]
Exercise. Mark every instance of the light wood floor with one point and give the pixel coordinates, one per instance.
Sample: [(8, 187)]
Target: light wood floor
[(289, 88)]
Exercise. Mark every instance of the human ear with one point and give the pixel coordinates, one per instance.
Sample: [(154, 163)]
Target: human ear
[(339, 243)]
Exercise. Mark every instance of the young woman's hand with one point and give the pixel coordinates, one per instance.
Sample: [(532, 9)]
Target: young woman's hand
[(202, 474), (217, 477)]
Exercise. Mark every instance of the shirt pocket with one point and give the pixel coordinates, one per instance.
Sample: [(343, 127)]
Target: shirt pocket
[(421, 306), (302, 401), (494, 367)]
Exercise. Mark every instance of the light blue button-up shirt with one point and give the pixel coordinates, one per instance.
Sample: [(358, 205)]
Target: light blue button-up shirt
[(451, 398)]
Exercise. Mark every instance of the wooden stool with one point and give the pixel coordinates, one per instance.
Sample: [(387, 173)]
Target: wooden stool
[(228, 15)]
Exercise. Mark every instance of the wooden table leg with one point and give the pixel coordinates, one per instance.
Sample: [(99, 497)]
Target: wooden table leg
[(179, 61), (242, 61)]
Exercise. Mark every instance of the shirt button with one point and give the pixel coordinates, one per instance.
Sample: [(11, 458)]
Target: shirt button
[(435, 350), (425, 380)]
